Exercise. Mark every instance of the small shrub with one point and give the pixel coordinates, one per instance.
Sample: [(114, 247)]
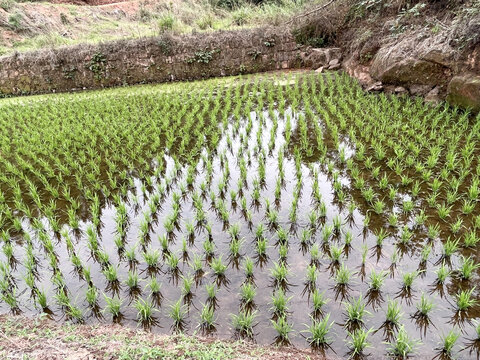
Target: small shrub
[(15, 21), (166, 22)]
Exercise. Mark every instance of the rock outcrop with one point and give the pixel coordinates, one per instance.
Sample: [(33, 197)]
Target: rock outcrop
[(464, 91)]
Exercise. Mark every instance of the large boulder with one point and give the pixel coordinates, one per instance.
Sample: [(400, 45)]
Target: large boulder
[(464, 91), (405, 71), (414, 59)]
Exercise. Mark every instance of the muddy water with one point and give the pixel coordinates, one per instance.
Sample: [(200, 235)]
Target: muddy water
[(443, 317)]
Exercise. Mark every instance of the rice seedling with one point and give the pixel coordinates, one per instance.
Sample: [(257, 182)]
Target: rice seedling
[(448, 342), (442, 273), (403, 345), (283, 329), (151, 258), (355, 312), (132, 281), (393, 313), (247, 294), (279, 303), (145, 311), (207, 318), (113, 306), (408, 279), (467, 268), (178, 313), (425, 306), (343, 275), (243, 323), (280, 273), (318, 332), (377, 280), (450, 247), (464, 299), (358, 341)]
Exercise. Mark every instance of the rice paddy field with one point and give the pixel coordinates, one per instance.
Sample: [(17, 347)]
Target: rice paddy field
[(282, 208)]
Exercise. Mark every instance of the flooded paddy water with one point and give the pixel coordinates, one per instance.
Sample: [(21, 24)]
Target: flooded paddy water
[(294, 210)]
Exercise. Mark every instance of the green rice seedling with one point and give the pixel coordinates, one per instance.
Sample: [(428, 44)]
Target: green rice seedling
[(421, 218), (327, 232), (280, 273), (442, 273), (283, 329), (282, 235), (41, 299), (318, 331), (211, 292), (111, 274), (407, 206), (358, 341), (315, 254), (364, 253), (448, 343), (468, 207), (197, 265), (261, 248), (172, 261), (318, 302), (425, 306), (207, 318), (381, 236), (247, 294), (450, 247), (425, 254), (92, 296), (433, 231), (132, 281), (343, 275), (336, 253), (311, 276), (408, 279), (235, 247), (218, 267), (243, 323), (208, 248), (151, 257), (355, 312), (187, 287), (279, 303), (376, 280), (282, 253), (393, 313), (467, 268), (444, 211), (154, 287), (366, 220), (248, 268), (403, 346), (178, 313), (470, 239), (113, 306), (337, 224), (464, 299), (131, 256), (145, 311), (456, 226), (406, 235)]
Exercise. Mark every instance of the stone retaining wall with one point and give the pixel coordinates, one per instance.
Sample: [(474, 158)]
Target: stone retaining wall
[(159, 59)]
